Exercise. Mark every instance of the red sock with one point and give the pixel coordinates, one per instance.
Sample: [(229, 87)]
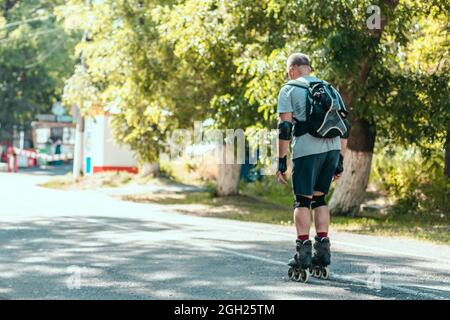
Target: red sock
[(303, 237), (322, 234)]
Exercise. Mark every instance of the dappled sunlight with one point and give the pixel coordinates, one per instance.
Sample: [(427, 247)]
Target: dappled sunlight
[(156, 149), (162, 265), (128, 250)]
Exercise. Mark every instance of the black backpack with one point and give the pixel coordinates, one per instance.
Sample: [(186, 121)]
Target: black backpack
[(326, 115)]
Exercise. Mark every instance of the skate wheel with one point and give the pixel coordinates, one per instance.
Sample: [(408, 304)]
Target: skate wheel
[(325, 274), (291, 273), (296, 276), (304, 276), (316, 272), (301, 275)]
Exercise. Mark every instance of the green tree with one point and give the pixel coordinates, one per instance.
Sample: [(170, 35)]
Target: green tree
[(172, 65), (212, 38), (368, 67), (426, 68), (131, 73), (164, 64), (35, 56)]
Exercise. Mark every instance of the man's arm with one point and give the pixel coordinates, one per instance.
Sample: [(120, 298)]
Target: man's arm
[(284, 140), (285, 111), (340, 167), (283, 146)]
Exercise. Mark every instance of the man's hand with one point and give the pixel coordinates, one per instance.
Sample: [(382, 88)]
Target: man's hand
[(339, 168), (281, 177), (282, 167)]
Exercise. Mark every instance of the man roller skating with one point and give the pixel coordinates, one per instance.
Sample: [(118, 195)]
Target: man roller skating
[(312, 115)]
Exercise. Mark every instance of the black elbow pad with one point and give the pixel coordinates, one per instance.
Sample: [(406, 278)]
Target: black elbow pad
[(285, 130)]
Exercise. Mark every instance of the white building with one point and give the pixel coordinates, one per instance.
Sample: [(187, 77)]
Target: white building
[(101, 152)]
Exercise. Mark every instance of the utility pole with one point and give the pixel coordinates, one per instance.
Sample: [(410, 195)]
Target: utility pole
[(79, 135), (79, 144)]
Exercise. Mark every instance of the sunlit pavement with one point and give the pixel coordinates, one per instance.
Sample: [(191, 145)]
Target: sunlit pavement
[(58, 244)]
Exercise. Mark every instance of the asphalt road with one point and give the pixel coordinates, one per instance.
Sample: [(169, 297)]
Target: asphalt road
[(91, 245)]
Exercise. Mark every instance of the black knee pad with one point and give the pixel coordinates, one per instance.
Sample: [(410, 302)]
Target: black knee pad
[(318, 201), (302, 201)]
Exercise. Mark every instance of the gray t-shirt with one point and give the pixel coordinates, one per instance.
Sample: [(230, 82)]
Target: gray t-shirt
[(293, 99)]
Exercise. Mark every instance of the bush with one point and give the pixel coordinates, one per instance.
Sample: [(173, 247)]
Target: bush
[(191, 171), (415, 183), (270, 189)]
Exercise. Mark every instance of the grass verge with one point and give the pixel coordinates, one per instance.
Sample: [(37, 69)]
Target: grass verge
[(258, 209), (263, 202), (111, 179)]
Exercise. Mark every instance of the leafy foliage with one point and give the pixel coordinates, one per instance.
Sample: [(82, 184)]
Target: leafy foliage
[(161, 65), (225, 60), (416, 186), (35, 57)]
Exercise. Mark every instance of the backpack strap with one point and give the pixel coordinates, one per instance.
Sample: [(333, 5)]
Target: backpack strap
[(298, 83), (300, 127)]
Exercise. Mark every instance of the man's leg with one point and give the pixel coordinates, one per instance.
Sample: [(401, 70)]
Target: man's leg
[(321, 210), (321, 214), (322, 255), (303, 180), (302, 216), (303, 257)]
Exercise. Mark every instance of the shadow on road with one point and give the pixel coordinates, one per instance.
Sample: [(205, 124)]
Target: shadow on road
[(121, 258)]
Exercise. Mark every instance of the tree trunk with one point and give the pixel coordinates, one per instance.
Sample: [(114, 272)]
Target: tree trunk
[(149, 169), (228, 179), (350, 189), (79, 146), (447, 155)]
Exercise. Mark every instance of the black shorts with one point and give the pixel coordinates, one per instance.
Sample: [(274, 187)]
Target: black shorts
[(314, 172)]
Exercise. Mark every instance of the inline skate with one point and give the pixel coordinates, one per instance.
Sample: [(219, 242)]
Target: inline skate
[(300, 265), (321, 258)]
